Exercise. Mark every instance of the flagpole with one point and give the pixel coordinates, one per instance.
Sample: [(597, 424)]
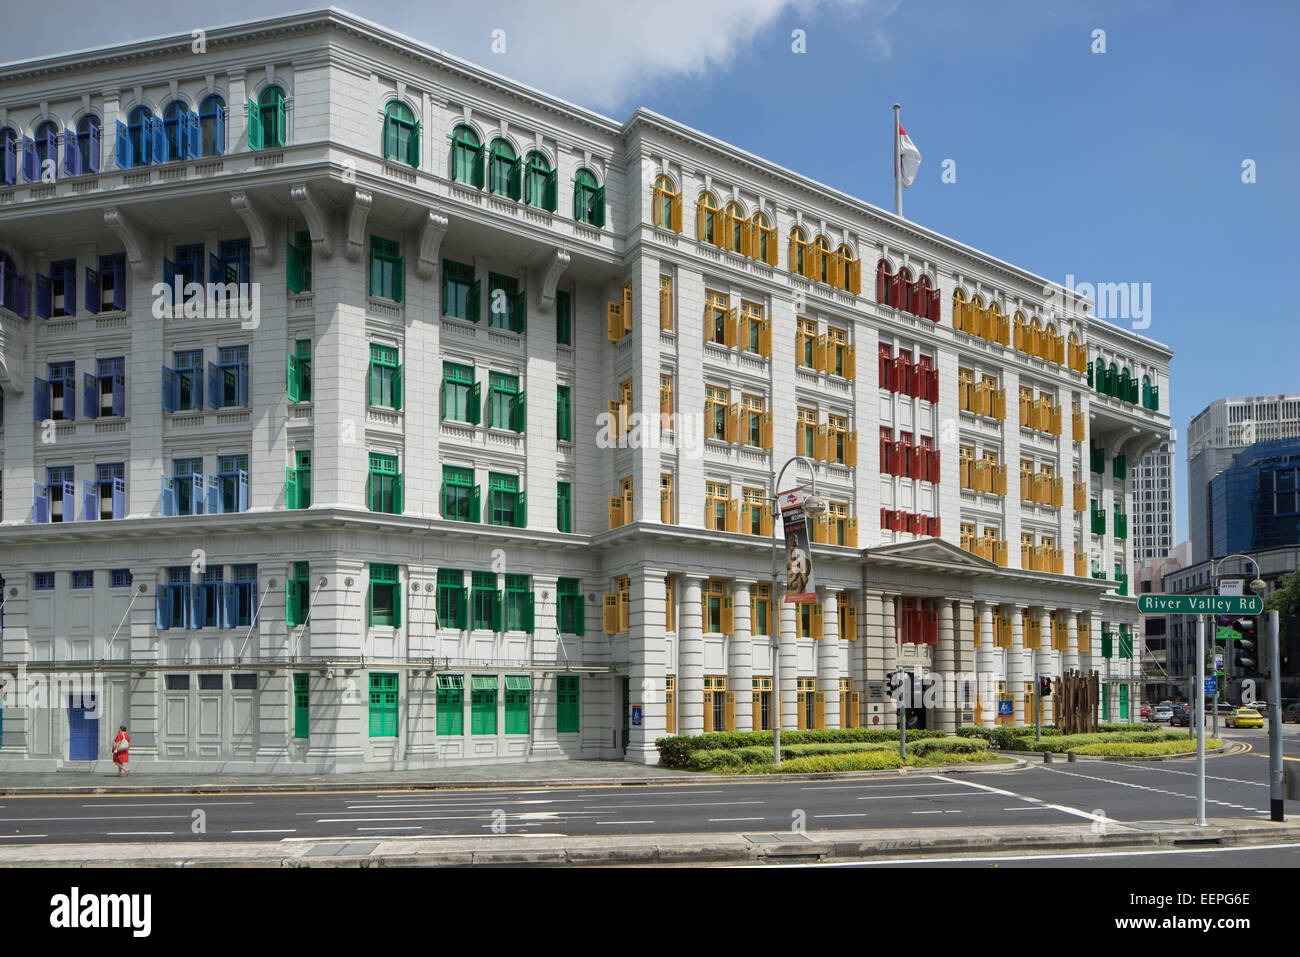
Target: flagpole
[(898, 163)]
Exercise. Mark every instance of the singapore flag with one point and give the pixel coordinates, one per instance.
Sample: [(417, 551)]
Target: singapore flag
[(909, 157)]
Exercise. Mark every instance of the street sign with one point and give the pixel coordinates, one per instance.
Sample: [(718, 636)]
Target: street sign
[(1006, 709), (1232, 586), (1200, 605), (1211, 686), (636, 716)]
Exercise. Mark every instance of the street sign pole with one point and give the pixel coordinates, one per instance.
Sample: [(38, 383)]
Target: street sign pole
[(1274, 722), (1199, 718)]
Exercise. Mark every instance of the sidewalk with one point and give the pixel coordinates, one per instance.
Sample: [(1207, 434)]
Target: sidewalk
[(652, 849)]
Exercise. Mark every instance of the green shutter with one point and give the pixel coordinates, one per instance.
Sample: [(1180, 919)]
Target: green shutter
[(397, 493), (292, 381), (494, 618), (550, 192), (518, 415), (291, 603), (598, 212), (254, 126), (301, 705), (475, 507), (521, 514), (290, 488), (281, 120), (397, 387), (472, 301), (528, 613), (397, 605), (475, 404), (413, 146), (463, 620), (399, 270), (370, 383)]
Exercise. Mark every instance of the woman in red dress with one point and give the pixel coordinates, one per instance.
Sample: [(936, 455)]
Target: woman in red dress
[(121, 746)]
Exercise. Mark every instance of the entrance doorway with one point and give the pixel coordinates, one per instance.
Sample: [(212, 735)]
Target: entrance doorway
[(83, 727)]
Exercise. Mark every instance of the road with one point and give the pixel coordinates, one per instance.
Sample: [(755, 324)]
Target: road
[(1040, 794)]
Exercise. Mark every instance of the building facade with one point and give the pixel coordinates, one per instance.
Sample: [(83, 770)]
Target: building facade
[(426, 418), (1214, 436), (1154, 503)]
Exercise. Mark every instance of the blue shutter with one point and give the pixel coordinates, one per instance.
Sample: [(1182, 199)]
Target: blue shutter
[(159, 140), (119, 282), (124, 156), (214, 493), (31, 170), (71, 155), (119, 393), (163, 608), (214, 386), (92, 291), (170, 390), (90, 400), (191, 146), (41, 504), (168, 496), (197, 618), (41, 399), (242, 397), (89, 502), (168, 278), (20, 296), (219, 146), (9, 164), (243, 491), (93, 149), (70, 396), (196, 493), (214, 269), (43, 298), (229, 605)]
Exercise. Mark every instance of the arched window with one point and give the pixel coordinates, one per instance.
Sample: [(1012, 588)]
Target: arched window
[(588, 199), (799, 256), (88, 136), (960, 316), (503, 170), (762, 239), (821, 259), (8, 156), (47, 145), (1035, 345), (706, 219), (667, 210), (901, 297), (1049, 343), (466, 157), (212, 126), (139, 133), (272, 126), (927, 301), (735, 233), (175, 128), (539, 183), (884, 281), (401, 134)]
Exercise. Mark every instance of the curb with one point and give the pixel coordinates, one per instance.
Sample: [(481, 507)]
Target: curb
[(823, 848)]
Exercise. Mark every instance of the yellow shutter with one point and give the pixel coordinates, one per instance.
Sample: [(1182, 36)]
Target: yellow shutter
[(1077, 426), (819, 710), (766, 521), (700, 220), (765, 338), (851, 532), (665, 506), (730, 334), (624, 612), (666, 308), (819, 354), (820, 442), (765, 430), (615, 511), (1000, 404), (708, 706), (733, 515), (1055, 421), (611, 614), (771, 245), (627, 307), (1026, 494), (1000, 553), (733, 422), (855, 284), (677, 213), (851, 362), (1058, 492), (818, 619), (758, 711), (803, 711), (1000, 479), (851, 449), (1081, 563), (613, 322), (799, 442), (656, 205), (849, 629), (728, 615), (731, 710), (1080, 496)]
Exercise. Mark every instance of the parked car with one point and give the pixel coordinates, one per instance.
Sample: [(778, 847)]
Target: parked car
[(1225, 708), (1162, 713), (1183, 717), (1146, 711), (1291, 713), (1245, 718)]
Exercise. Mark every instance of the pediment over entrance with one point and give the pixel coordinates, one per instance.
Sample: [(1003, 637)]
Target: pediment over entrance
[(932, 551)]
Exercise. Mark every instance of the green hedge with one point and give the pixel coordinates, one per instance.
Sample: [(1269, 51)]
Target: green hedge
[(1134, 749), (857, 761), (675, 751), (1073, 742), (723, 761)]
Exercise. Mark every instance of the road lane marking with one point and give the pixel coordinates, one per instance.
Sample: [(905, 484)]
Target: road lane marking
[(839, 815), (1140, 787), (613, 807), (1035, 807), (903, 783), (900, 797), (18, 837), (140, 833), (936, 812), (1064, 809), (624, 822), (106, 817), (719, 820), (125, 807), (412, 827), (270, 830)]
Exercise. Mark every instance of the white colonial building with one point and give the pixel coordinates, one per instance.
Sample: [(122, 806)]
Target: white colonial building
[(370, 482)]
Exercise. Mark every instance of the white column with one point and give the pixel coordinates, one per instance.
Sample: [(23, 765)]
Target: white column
[(690, 682), (987, 665), (789, 661), (828, 658), (1047, 665), (943, 666), (1070, 661), (647, 665), (1016, 665), (740, 669), (888, 612)]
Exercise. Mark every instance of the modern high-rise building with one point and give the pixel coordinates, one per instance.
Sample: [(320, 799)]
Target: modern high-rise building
[(364, 409), (1214, 436), (1153, 503)]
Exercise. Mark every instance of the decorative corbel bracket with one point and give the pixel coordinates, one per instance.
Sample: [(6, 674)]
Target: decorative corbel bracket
[(317, 224), (132, 237), (357, 217), (431, 233), (258, 228), (554, 269)]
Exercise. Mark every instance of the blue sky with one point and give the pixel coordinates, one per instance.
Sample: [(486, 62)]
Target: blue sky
[(1122, 166)]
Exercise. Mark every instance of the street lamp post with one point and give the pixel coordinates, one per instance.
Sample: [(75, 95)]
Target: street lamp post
[(812, 506)]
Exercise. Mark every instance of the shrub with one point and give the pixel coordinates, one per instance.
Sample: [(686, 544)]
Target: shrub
[(938, 759), (1134, 749), (720, 761), (675, 751), (1072, 742), (948, 746), (856, 761)]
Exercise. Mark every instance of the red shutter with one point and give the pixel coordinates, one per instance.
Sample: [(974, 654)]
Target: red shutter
[(886, 362), (882, 283), (933, 313), (933, 395), (934, 466), (931, 628), (896, 374)]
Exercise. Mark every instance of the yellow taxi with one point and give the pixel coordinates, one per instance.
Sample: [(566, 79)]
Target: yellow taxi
[(1245, 718)]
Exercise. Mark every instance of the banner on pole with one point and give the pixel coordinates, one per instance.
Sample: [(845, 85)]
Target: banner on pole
[(799, 587)]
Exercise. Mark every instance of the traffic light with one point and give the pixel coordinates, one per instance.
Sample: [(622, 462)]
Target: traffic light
[(892, 683), (1245, 645), (1044, 687)]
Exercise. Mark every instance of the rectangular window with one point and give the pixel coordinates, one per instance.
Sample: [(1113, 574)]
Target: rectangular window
[(761, 602), (518, 689), (713, 595), (666, 303), (228, 379), (570, 611), (563, 318), (836, 351), (243, 682), (386, 272), (298, 264), (483, 704), (459, 393), (109, 498), (569, 717), (106, 391), (451, 705), (384, 486), (178, 682), (460, 496), (232, 475), (211, 682), (383, 705), (121, 578), (384, 387), (188, 483), (519, 603), (453, 602), (83, 579), (563, 414), (563, 507), (62, 390), (806, 343), (460, 291), (752, 423), (717, 496), (385, 596), (485, 602), (715, 412), (300, 372), (189, 380), (505, 501), (298, 481), (43, 581), (752, 336), (301, 705), (716, 308), (297, 595), (505, 402), (506, 304), (245, 593)]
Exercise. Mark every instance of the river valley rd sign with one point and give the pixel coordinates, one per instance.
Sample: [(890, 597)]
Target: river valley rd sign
[(1200, 605)]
